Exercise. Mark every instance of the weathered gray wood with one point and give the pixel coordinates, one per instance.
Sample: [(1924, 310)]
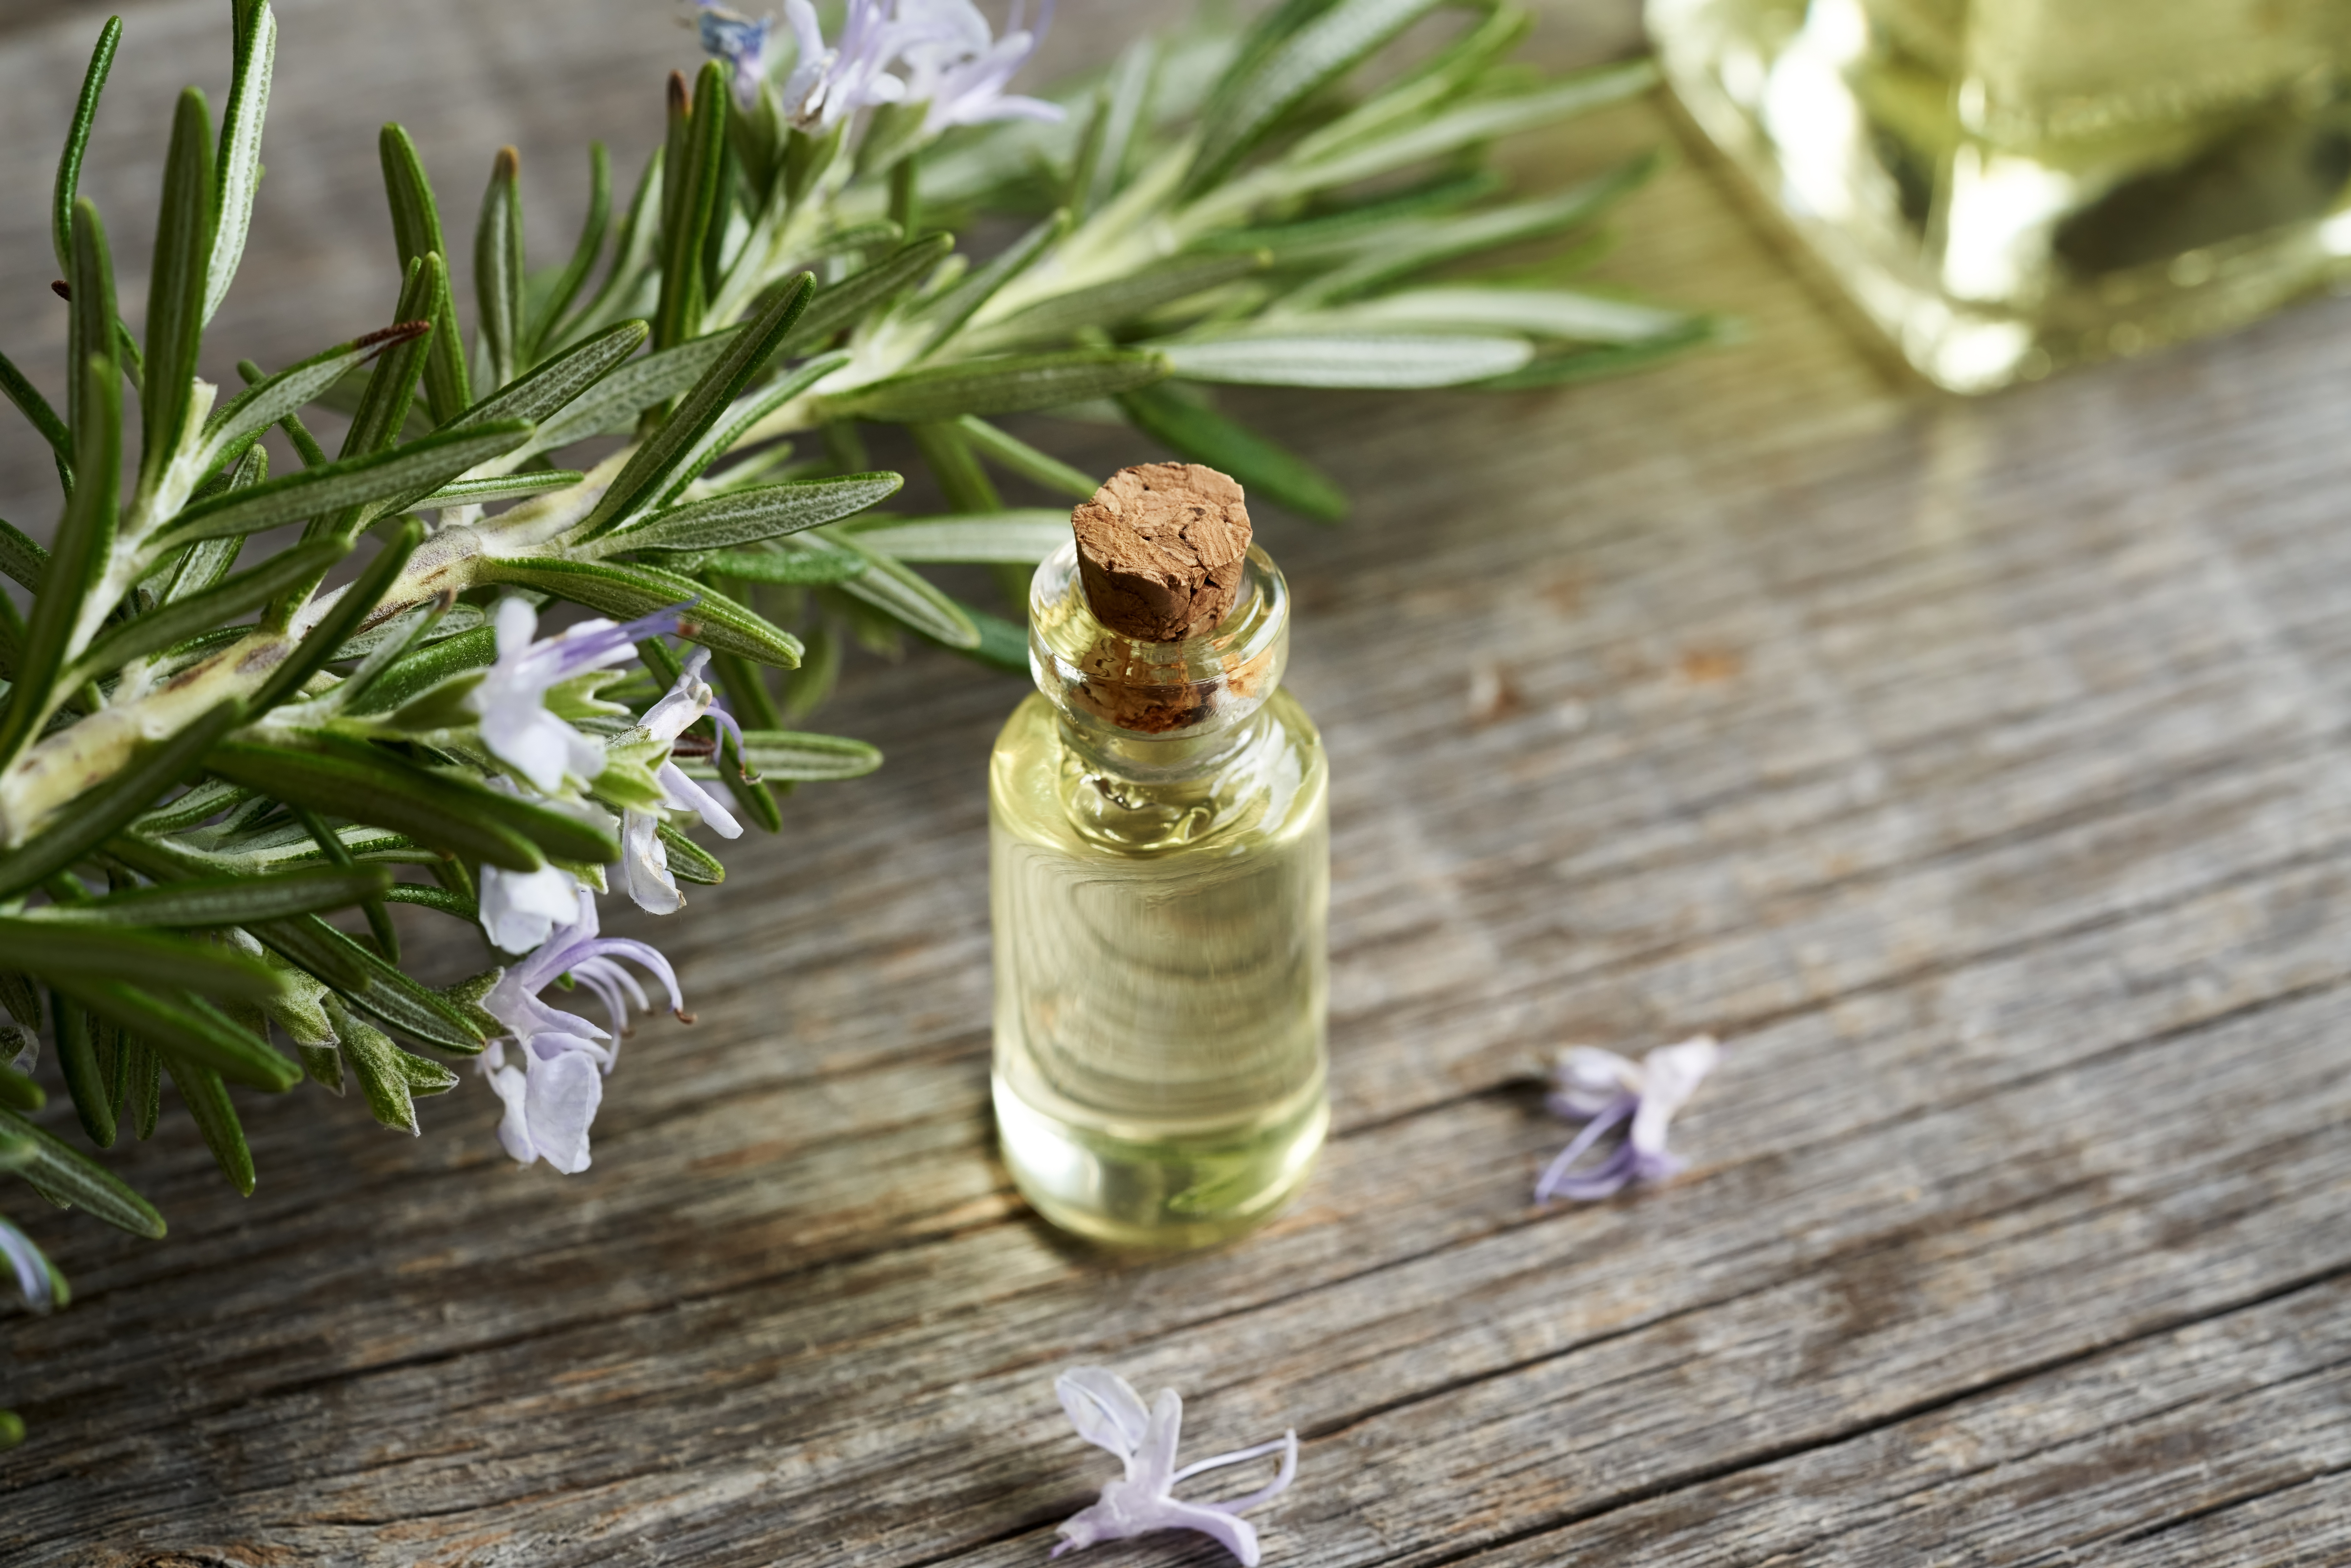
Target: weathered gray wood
[(1976, 771)]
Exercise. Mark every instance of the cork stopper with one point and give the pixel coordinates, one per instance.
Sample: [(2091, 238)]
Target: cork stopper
[(1160, 548)]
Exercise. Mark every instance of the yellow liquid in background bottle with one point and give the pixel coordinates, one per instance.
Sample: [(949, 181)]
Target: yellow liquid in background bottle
[(2011, 186), (1161, 979)]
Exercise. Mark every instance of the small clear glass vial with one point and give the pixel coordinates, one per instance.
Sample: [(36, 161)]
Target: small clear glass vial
[(1159, 849)]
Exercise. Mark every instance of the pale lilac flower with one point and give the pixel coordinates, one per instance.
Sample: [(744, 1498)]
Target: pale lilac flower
[(644, 863), (550, 1065), (512, 697), (957, 66), (521, 908), (33, 1276), (1604, 1090), (741, 42), (1108, 1413), (828, 86)]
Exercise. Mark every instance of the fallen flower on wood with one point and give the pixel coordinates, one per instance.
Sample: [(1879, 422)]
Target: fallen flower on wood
[(1109, 1414), (1603, 1089)]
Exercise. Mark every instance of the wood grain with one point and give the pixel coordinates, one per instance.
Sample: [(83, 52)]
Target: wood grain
[(1977, 770)]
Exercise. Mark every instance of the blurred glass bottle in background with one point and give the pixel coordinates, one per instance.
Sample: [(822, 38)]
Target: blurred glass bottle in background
[(2011, 186)]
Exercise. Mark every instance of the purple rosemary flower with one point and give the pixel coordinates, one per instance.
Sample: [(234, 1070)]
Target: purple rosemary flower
[(644, 863), (828, 86), (956, 64), (520, 909), (42, 1288), (549, 1066), (512, 697), (738, 40), (1604, 1090), (1108, 1413)]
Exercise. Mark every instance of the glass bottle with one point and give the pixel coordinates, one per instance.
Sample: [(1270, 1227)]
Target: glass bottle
[(2010, 186), (1159, 849)]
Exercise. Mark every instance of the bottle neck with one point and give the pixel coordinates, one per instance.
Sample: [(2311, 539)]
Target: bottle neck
[(1154, 760)]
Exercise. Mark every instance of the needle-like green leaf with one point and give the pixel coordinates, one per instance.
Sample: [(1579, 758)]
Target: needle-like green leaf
[(499, 487), (1261, 93), (851, 300), (905, 596), (69, 181), (21, 559), (556, 383), (1543, 312), (1470, 233), (207, 1098), (93, 330), (1364, 359), (648, 473), (744, 516), (380, 990), (176, 285), (614, 402), (1019, 535), (255, 46), (237, 425), (350, 609), (70, 953), (416, 229), (64, 1174), (498, 271), (1060, 317), (815, 568), (691, 201), (1200, 433), (946, 315), (1345, 154), (1015, 455), (781, 754), (383, 481), (85, 540), (41, 416), (86, 1077), (624, 591), (1012, 383), (239, 900), (736, 424)]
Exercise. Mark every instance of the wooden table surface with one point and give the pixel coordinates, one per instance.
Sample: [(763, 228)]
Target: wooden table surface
[(1977, 770)]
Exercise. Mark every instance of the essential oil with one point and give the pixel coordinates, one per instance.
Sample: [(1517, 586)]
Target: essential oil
[(1160, 850)]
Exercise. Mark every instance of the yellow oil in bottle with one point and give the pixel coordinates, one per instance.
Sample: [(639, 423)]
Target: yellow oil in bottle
[(2010, 186), (1159, 906)]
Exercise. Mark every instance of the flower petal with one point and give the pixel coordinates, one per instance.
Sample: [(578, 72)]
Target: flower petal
[(644, 866), (520, 909), (1104, 1408), (1586, 1081), (1600, 1181), (562, 1097), (1669, 1076), (32, 1269)]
